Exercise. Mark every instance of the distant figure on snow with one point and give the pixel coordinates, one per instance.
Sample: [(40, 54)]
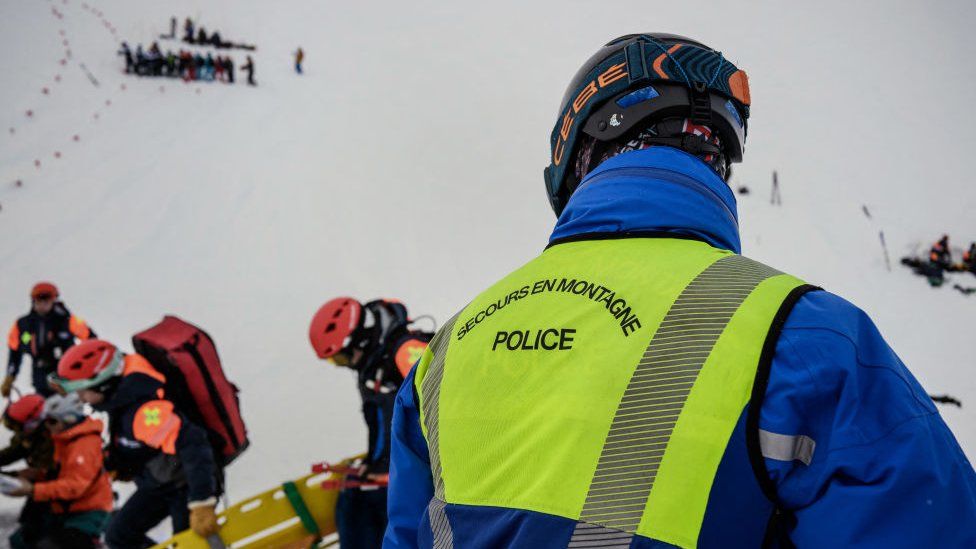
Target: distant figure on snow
[(188, 31), (172, 29), (968, 260), (249, 68), (299, 57), (774, 198), (127, 53), (229, 65), (939, 255), (202, 36)]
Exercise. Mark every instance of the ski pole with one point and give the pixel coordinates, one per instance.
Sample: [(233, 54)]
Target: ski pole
[(884, 246)]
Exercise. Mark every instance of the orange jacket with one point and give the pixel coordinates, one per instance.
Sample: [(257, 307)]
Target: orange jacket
[(82, 484)]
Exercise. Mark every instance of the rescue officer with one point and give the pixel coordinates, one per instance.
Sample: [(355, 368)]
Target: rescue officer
[(376, 341), (45, 333), (168, 457), (641, 384)]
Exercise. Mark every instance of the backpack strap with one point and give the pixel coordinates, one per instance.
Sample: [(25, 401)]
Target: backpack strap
[(781, 520)]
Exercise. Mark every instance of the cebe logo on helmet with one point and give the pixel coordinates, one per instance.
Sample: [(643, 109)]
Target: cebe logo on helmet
[(26, 411), (88, 364), (333, 325), (44, 290), (642, 77)]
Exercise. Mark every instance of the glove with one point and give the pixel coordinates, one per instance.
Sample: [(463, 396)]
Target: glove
[(6, 386), (203, 518), (26, 488)]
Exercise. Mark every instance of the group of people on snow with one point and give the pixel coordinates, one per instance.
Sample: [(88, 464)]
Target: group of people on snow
[(199, 36), (153, 442), (183, 64), (67, 480), (940, 261)]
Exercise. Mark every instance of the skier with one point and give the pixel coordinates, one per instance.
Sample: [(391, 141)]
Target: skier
[(229, 65), (202, 37), (249, 67), (169, 457), (127, 54), (30, 442), (188, 31), (208, 64), (79, 490), (299, 57), (220, 68), (44, 334), (642, 384), (376, 341)]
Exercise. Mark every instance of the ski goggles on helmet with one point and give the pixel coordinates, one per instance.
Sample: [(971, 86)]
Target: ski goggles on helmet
[(96, 382)]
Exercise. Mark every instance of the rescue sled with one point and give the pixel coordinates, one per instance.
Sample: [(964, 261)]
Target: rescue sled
[(297, 514)]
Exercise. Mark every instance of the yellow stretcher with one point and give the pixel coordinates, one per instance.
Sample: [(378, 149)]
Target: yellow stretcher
[(297, 514)]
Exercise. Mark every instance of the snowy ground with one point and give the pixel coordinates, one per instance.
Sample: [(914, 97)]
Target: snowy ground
[(408, 160)]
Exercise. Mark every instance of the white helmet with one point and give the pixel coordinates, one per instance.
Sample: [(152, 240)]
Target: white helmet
[(64, 408)]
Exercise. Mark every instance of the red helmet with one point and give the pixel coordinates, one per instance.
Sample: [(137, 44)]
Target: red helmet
[(333, 325), (44, 290), (26, 411), (88, 364)]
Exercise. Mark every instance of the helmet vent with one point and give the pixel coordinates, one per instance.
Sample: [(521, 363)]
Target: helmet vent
[(330, 328)]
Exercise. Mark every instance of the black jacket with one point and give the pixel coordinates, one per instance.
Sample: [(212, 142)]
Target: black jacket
[(134, 453), (44, 338), (380, 376)]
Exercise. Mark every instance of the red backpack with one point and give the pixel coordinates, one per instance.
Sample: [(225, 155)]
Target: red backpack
[(195, 382)]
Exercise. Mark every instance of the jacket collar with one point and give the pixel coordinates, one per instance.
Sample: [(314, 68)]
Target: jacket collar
[(88, 426), (655, 190)]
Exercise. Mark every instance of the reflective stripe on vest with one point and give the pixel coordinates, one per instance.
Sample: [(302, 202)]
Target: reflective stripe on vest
[(601, 383)]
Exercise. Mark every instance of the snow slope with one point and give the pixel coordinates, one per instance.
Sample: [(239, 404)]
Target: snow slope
[(407, 162)]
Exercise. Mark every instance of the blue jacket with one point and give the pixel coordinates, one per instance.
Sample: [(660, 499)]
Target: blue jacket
[(879, 467)]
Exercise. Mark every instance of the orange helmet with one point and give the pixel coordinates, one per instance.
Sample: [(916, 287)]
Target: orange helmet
[(88, 364), (333, 325), (26, 411), (43, 290)]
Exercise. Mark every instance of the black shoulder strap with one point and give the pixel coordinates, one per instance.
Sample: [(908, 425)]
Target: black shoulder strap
[(777, 531)]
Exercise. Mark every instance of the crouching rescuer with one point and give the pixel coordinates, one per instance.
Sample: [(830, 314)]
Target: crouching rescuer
[(151, 442), (375, 340), (77, 490), (641, 384)]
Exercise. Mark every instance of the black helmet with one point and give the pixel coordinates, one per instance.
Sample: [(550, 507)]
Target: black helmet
[(640, 77)]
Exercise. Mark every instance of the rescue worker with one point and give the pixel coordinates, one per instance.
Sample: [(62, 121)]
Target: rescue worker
[(169, 457), (45, 333), (940, 255), (376, 341), (30, 442), (79, 490), (969, 259), (641, 384)]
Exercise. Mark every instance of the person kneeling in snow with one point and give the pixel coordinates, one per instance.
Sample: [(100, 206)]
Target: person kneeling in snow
[(30, 442), (169, 457), (79, 491)]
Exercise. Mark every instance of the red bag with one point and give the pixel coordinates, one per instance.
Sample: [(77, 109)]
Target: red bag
[(195, 382)]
